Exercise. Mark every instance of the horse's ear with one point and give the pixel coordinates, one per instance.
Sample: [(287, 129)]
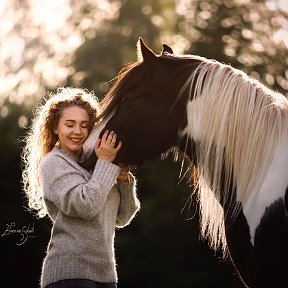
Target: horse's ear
[(167, 48), (143, 52)]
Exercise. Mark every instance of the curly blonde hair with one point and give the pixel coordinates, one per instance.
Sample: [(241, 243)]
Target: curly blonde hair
[(41, 138)]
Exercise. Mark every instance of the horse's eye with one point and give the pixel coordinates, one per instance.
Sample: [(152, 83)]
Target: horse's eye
[(126, 103)]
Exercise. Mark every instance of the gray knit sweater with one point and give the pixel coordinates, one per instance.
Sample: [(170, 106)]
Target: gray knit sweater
[(85, 209)]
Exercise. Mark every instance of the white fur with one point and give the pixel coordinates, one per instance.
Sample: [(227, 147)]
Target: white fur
[(94, 134), (272, 188), (229, 109)]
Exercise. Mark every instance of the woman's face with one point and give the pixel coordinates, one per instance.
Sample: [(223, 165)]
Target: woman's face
[(72, 129)]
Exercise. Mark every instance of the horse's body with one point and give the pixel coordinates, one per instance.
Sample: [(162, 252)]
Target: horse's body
[(233, 129)]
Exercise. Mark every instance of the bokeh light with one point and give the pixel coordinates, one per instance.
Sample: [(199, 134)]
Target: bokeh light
[(38, 39)]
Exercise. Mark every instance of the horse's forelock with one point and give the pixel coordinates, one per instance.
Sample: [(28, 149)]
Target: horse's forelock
[(113, 98)]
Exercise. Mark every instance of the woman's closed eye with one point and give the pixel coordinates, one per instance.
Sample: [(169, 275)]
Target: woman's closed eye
[(84, 126)]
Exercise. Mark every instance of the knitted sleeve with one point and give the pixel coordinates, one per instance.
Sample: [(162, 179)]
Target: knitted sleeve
[(129, 203), (66, 187)]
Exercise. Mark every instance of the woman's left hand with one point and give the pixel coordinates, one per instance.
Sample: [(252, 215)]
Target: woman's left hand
[(124, 175)]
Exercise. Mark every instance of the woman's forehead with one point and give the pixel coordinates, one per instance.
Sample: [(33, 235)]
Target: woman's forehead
[(74, 113)]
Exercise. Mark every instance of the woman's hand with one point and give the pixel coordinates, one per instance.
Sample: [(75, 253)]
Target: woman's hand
[(105, 147), (124, 175)]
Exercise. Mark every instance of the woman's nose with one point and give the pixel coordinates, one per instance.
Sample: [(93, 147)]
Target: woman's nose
[(77, 129)]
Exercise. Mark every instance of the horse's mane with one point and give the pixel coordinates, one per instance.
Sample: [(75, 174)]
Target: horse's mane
[(238, 122)]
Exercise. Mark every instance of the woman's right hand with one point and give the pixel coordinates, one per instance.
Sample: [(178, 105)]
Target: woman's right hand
[(105, 147)]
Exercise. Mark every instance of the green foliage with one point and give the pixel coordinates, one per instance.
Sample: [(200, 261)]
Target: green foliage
[(235, 32)]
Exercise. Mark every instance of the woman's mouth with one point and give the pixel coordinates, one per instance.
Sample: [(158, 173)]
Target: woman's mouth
[(76, 140)]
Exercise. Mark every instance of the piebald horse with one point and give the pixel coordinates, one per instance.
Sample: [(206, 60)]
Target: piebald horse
[(233, 130)]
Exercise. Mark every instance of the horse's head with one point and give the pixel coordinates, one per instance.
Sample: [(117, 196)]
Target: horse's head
[(144, 107)]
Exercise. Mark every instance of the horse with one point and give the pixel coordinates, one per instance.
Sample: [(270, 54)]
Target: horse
[(233, 131)]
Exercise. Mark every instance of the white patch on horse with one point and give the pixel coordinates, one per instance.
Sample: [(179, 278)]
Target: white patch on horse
[(94, 134), (272, 188), (194, 115)]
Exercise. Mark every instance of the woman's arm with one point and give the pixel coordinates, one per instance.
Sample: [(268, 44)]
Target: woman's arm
[(129, 203), (66, 187)]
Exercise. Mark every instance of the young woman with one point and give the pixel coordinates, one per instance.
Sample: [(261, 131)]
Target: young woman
[(85, 207)]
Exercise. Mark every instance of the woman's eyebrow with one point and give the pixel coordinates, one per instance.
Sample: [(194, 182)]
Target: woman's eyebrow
[(71, 120)]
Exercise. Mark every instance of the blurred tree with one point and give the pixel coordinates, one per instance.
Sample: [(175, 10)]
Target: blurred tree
[(99, 59), (39, 38), (250, 35)]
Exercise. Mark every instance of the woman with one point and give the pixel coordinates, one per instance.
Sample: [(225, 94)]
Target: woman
[(85, 207)]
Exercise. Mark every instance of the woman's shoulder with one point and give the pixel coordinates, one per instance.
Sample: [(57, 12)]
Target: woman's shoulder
[(51, 156), (54, 159)]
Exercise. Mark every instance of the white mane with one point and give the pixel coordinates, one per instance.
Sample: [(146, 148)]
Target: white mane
[(235, 119)]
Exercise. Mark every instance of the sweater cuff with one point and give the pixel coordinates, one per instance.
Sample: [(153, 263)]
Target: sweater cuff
[(105, 173)]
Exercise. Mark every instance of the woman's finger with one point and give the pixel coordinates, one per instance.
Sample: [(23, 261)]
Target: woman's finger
[(98, 142), (118, 146), (114, 138), (105, 135), (110, 136)]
